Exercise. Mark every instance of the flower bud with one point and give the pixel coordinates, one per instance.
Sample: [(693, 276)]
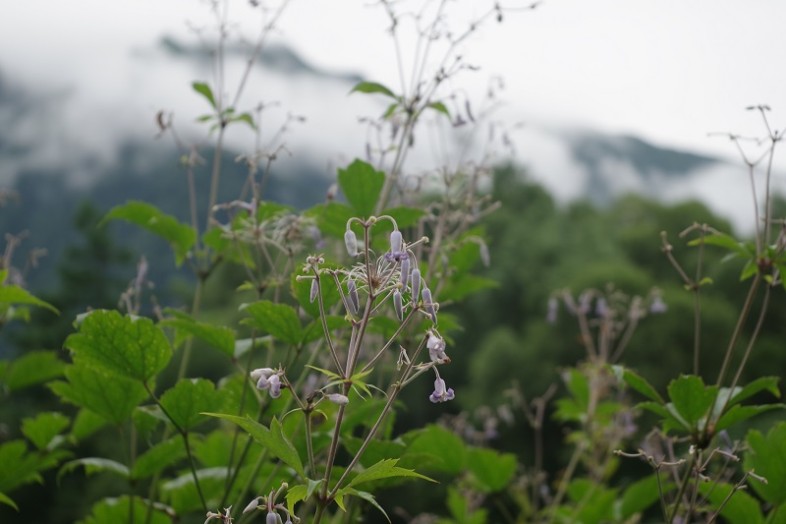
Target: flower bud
[(272, 518), (395, 241), (351, 241), (397, 304), (404, 272), (428, 304), (415, 285), (312, 295), (252, 505), (338, 398), (354, 299)]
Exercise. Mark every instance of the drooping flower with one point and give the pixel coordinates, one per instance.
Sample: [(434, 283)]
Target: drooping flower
[(658, 305), (436, 348), (269, 379), (351, 242), (441, 392), (272, 517)]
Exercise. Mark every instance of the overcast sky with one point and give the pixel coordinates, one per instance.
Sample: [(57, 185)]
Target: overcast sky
[(667, 70)]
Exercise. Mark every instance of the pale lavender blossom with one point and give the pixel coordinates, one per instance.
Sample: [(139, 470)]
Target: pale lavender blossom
[(436, 348), (428, 303), (254, 504), (658, 305), (396, 241), (272, 517), (312, 295), (441, 392), (415, 277), (267, 378), (404, 272), (601, 307)]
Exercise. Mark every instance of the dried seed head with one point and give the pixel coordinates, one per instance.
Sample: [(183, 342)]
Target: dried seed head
[(351, 241)]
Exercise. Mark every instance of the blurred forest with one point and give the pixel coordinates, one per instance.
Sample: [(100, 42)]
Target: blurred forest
[(501, 342)]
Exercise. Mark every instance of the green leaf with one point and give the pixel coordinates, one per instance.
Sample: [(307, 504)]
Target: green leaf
[(17, 466), (280, 320), (185, 402), (493, 471), (220, 337), (639, 496), (464, 284), (368, 497), (94, 465), (760, 384), (13, 295), (246, 118), (691, 398), (722, 240), (741, 508), (111, 397), (85, 424), (157, 458), (405, 216), (129, 347), (313, 331), (384, 469), (437, 449), (273, 439), (301, 492), (331, 218), (203, 89), (439, 107), (5, 499), (738, 414), (301, 290), (361, 184), (638, 383), (671, 419), (179, 235), (44, 427), (373, 87), (115, 510), (767, 456), (32, 368)]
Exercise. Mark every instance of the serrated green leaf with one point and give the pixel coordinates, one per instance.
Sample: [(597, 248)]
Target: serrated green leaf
[(32, 368), (740, 508), (671, 419), (465, 284), (361, 185), (157, 458), (301, 492), (129, 347), (384, 469), (722, 240), (94, 465), (17, 465), (111, 397), (185, 402), (220, 337), (691, 398), (179, 235), (14, 295), (760, 384), (5, 499), (640, 495), (372, 87), (85, 424), (368, 497), (491, 470), (272, 438), (637, 382), (204, 89), (44, 427), (767, 456), (280, 320)]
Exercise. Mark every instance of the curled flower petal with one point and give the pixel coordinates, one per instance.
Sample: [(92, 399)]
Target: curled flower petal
[(436, 349), (275, 386), (351, 242)]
